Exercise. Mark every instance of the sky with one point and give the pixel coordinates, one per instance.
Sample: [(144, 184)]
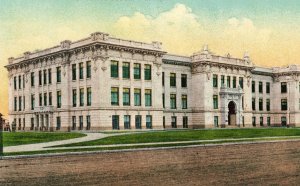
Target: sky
[(269, 30)]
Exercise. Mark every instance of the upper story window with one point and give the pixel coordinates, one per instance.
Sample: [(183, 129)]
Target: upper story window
[(15, 103), (126, 70), (23, 81), (163, 78), (268, 88), (58, 99), (148, 98), (88, 69), (45, 99), (283, 87), (253, 86), (32, 101), (137, 70), (40, 99), (58, 74), (81, 97), (50, 98), (173, 101), (45, 77), (260, 105), (253, 104), (49, 76), (222, 80), (137, 97), (234, 82), (114, 96), (40, 78), (114, 69), (74, 97), (228, 82), (20, 82), (241, 82), (260, 87), (15, 83), (184, 101), (284, 104), (80, 70), (215, 80), (89, 96), (172, 79), (215, 101), (73, 72), (32, 79), (268, 104), (183, 80), (126, 96), (147, 73)]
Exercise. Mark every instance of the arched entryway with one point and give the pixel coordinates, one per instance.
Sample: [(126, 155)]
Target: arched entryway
[(231, 113)]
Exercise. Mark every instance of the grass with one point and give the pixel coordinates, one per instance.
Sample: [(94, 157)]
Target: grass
[(189, 135), (137, 146), (21, 138)]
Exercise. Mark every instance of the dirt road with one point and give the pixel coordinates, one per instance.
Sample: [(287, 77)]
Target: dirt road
[(251, 164)]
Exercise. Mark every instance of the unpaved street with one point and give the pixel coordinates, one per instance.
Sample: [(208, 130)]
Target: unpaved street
[(251, 164)]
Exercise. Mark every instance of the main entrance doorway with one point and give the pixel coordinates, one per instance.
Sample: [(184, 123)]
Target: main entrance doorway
[(231, 113)]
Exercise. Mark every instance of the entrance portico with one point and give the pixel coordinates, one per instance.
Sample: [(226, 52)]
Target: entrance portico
[(231, 106)]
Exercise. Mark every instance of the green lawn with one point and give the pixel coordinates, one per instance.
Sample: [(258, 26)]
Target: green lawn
[(20, 138), (188, 135)]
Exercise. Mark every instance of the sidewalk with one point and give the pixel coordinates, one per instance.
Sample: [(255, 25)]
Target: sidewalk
[(95, 136)]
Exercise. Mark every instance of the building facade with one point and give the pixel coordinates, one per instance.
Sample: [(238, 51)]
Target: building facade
[(104, 83)]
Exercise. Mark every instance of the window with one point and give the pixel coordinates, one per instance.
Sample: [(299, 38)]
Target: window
[(172, 79), (163, 100), (45, 99), (58, 123), (32, 102), (32, 79), (80, 70), (32, 124), (114, 96), (215, 101), (115, 122), (241, 82), (183, 80), (15, 104), (147, 72), (126, 97), (74, 97), (222, 80), (283, 121), (50, 98), (40, 78), (149, 122), (173, 101), (138, 122), (228, 81), (260, 105), (88, 69), (81, 97), (163, 78), (216, 121), (137, 97), (185, 122), (253, 103), (215, 80), (20, 82), (184, 101), (23, 102), (58, 99), (164, 122), (88, 122), (234, 82), (253, 86), (174, 121), (73, 122), (137, 71), (49, 76), (148, 98), (268, 121), (268, 88), (80, 122), (45, 77), (283, 87), (73, 72), (89, 96), (126, 121), (253, 121), (23, 81), (114, 69), (284, 104), (15, 83), (40, 100), (126, 70), (58, 74), (261, 121), (260, 87), (268, 104)]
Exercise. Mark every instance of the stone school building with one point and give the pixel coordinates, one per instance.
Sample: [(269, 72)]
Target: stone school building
[(104, 83)]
